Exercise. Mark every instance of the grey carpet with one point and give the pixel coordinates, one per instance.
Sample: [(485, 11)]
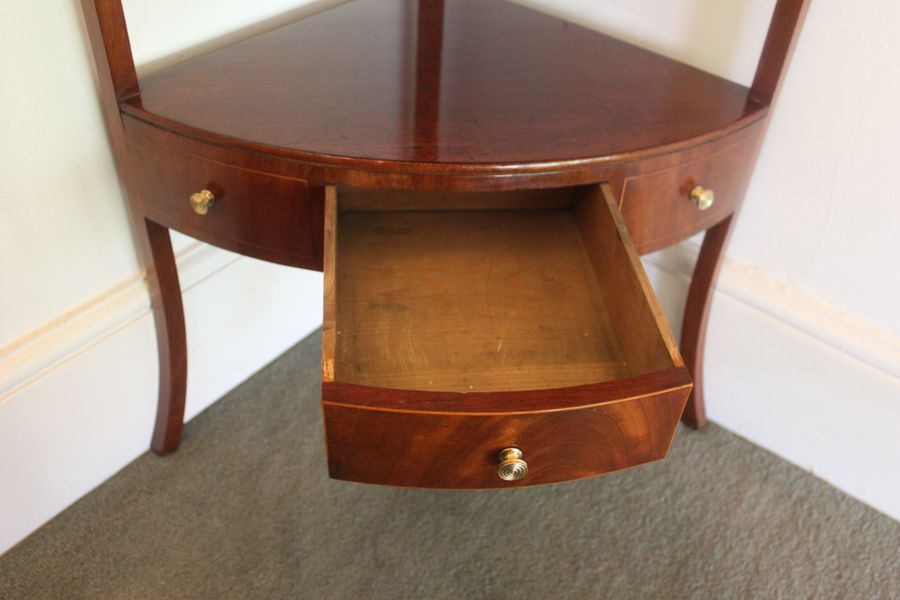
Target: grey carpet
[(245, 510)]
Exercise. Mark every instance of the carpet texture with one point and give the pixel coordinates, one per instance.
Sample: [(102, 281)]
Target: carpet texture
[(245, 510)]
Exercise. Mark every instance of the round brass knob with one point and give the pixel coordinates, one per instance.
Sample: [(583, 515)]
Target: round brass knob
[(703, 197), (202, 201), (512, 467)]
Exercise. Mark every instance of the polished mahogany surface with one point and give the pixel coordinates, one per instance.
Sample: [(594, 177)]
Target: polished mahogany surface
[(407, 98), (479, 84)]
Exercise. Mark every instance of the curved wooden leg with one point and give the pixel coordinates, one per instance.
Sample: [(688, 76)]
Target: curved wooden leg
[(168, 313), (696, 313)]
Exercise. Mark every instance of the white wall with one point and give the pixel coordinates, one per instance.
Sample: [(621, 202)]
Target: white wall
[(804, 339), (803, 356), (77, 350)]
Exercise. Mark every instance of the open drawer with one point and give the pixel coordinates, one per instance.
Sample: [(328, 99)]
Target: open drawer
[(458, 326)]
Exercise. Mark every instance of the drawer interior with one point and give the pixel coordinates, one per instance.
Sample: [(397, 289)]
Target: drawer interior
[(491, 292)]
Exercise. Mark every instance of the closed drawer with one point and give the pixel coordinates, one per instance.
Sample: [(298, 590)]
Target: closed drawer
[(657, 206), (256, 213), (451, 335)]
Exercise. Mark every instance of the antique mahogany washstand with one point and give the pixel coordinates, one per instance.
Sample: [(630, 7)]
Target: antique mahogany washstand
[(476, 180)]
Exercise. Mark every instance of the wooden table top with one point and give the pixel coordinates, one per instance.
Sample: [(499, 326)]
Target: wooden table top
[(479, 84)]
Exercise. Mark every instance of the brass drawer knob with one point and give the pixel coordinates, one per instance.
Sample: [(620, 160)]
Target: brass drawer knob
[(202, 201), (703, 197), (512, 467)]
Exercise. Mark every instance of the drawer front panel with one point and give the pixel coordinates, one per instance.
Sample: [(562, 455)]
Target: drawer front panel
[(461, 450), (450, 336), (657, 206), (255, 213)]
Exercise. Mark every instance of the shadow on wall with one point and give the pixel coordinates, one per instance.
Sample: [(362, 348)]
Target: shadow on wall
[(716, 24), (698, 32), (233, 37)]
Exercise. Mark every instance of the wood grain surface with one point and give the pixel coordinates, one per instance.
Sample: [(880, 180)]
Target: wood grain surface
[(655, 200), (469, 300), (256, 213), (458, 450), (104, 22), (451, 334), (442, 96), (515, 90)]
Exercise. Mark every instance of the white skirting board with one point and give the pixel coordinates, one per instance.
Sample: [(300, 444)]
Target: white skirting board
[(77, 397), (806, 382)]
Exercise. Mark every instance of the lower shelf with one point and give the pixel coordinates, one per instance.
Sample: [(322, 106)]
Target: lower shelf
[(452, 334)]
